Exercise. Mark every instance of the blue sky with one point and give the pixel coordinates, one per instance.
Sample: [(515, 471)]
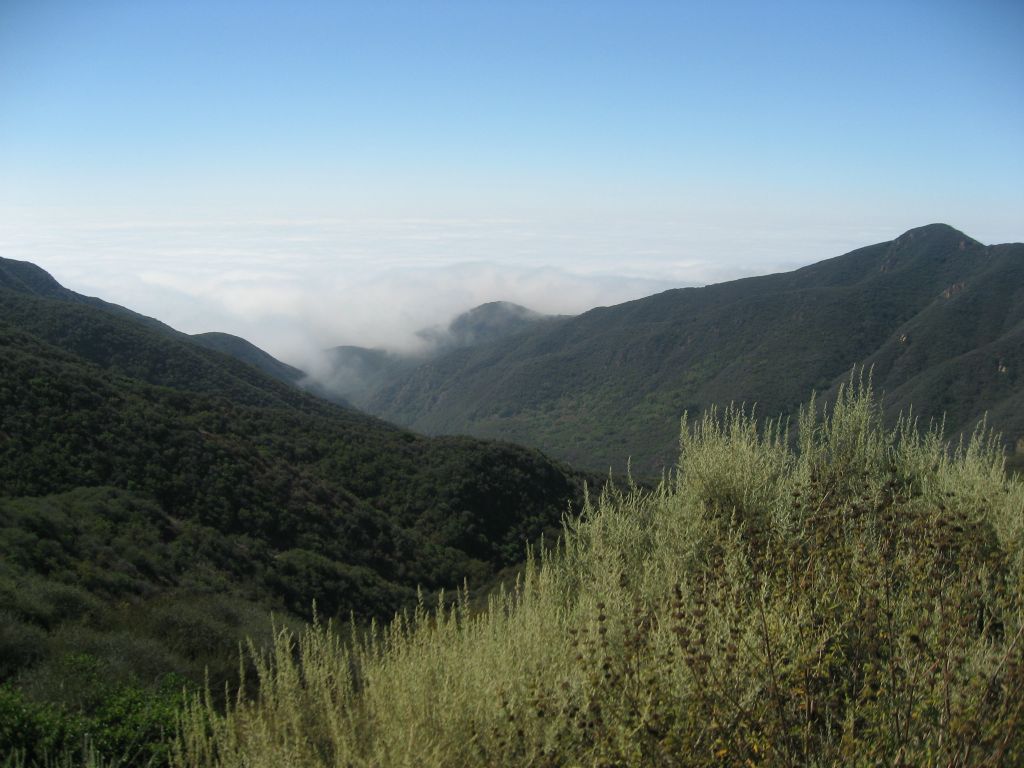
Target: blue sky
[(142, 144)]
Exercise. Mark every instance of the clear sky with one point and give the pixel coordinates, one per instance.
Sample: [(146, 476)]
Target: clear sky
[(253, 166)]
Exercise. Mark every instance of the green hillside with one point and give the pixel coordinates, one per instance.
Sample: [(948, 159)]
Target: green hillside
[(965, 349), (936, 312), (159, 499), (28, 279)]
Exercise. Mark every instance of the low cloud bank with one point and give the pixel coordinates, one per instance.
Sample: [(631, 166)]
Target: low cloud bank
[(295, 288)]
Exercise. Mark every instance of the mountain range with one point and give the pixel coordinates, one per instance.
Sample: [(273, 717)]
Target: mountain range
[(161, 493), (937, 316)]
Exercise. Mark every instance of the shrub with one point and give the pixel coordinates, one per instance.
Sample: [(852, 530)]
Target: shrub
[(21, 644), (31, 733)]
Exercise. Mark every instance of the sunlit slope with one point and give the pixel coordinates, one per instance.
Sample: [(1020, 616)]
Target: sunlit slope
[(612, 382)]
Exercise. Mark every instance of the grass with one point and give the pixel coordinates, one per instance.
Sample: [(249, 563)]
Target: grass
[(856, 600)]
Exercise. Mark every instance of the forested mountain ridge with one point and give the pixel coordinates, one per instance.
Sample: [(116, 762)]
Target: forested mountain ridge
[(159, 498), (936, 312), (27, 279), (108, 400)]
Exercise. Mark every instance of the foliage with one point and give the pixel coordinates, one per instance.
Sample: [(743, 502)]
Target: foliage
[(134, 726), (243, 350), (313, 476), (233, 486), (857, 601)]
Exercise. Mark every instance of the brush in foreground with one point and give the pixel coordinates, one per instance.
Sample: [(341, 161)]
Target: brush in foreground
[(857, 601)]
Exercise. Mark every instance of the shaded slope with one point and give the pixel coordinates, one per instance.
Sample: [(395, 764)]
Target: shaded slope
[(137, 350), (301, 474), (28, 279), (356, 373), (964, 352), (484, 324)]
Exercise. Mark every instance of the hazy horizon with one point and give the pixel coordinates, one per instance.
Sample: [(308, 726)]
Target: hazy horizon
[(307, 175)]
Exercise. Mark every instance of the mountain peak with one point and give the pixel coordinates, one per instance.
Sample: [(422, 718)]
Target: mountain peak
[(489, 322), (496, 310), (932, 233), (26, 277), (484, 323)]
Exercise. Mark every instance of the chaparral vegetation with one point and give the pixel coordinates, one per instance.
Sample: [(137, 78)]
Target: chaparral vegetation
[(843, 595)]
